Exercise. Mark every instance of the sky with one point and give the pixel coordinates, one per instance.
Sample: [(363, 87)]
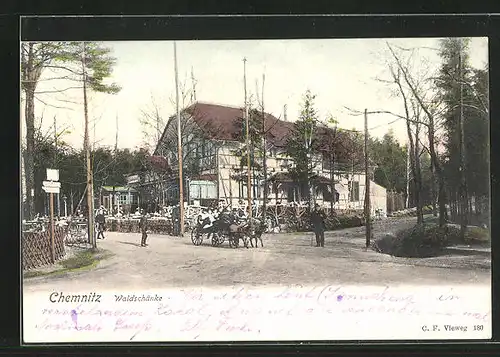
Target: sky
[(340, 72)]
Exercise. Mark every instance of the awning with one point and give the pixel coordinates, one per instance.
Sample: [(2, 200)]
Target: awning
[(324, 180), (283, 177), (204, 177)]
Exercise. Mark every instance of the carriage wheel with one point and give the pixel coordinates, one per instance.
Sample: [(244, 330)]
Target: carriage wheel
[(215, 240), (221, 238), (196, 237), (234, 241)]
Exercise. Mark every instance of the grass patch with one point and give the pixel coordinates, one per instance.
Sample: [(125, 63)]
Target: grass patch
[(33, 274), (80, 260), (84, 260)]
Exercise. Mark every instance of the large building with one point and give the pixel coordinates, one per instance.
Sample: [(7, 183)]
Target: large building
[(215, 167)]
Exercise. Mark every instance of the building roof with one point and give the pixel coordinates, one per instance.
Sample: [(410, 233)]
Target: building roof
[(222, 122), (159, 163)]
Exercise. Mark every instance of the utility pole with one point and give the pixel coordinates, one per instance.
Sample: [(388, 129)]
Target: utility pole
[(367, 188), (179, 146), (264, 155), (55, 164), (114, 201), (90, 183), (332, 169), (193, 83), (247, 124), (408, 174), (116, 135)]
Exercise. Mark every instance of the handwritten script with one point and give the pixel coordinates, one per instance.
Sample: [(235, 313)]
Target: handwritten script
[(272, 313)]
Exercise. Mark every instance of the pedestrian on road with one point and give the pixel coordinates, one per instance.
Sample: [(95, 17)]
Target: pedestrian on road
[(318, 222), (176, 220), (143, 225), (101, 220)]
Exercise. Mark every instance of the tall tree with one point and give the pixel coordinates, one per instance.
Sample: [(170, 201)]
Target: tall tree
[(429, 102), (35, 57), (464, 90), (301, 147), (65, 58), (390, 157)]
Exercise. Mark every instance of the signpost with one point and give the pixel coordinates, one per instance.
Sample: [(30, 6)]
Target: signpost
[(52, 186)]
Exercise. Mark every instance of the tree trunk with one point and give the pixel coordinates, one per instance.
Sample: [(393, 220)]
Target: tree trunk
[(433, 191), (443, 216), (418, 179), (29, 164), (332, 183)]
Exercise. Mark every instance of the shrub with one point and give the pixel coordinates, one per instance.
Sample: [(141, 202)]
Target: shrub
[(344, 221), (477, 235), (427, 239), (419, 241)]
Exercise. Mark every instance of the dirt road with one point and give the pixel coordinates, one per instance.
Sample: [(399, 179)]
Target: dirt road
[(285, 259)]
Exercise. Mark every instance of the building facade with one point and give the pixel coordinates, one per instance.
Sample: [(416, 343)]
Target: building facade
[(214, 170), (115, 199)]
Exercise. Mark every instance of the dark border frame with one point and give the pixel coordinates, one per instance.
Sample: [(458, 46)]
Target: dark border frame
[(310, 26)]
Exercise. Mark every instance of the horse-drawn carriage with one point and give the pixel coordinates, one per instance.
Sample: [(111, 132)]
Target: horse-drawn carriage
[(230, 227)]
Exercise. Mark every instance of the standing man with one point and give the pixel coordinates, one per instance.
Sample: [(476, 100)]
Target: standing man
[(176, 220), (100, 220), (143, 225), (318, 222)]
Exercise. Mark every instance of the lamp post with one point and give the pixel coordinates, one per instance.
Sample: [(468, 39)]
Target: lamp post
[(65, 206), (117, 202)]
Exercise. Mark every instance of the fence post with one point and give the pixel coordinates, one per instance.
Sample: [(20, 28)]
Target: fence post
[(52, 233)]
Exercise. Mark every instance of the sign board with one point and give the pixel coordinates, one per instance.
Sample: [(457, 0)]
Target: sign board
[(51, 184), (51, 189), (133, 179), (52, 175)]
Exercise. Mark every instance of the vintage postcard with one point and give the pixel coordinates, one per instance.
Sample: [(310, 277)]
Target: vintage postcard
[(255, 190)]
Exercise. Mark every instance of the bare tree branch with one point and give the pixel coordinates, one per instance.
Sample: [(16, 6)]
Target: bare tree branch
[(58, 90), (51, 105)]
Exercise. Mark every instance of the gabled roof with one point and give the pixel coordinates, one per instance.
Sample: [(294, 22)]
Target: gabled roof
[(222, 122)]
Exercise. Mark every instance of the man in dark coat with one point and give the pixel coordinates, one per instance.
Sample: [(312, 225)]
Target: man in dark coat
[(318, 222), (143, 225), (100, 220), (176, 220)]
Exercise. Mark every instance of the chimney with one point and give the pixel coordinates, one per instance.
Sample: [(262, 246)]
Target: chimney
[(284, 113)]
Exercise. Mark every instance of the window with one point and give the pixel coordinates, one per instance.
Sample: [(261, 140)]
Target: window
[(242, 189), (354, 191), (123, 199)]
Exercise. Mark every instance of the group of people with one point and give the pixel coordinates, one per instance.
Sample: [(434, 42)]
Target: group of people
[(209, 216), (100, 220)]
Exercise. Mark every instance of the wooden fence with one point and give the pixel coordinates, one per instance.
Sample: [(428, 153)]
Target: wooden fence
[(37, 250)]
